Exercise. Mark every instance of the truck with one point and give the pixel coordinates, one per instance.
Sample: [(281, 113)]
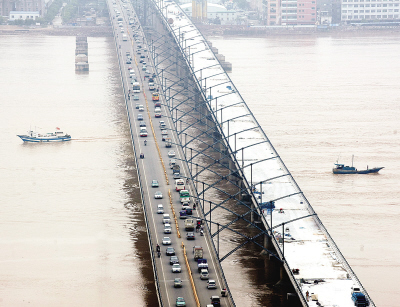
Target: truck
[(359, 298), (202, 264), (136, 87), (189, 224), (184, 196), (176, 171), (198, 252), (179, 185)]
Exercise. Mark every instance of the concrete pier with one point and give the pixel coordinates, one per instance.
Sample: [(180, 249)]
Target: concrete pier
[(81, 54)]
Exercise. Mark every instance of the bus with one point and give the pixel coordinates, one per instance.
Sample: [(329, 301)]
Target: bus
[(184, 196), (136, 87), (155, 97), (179, 185)]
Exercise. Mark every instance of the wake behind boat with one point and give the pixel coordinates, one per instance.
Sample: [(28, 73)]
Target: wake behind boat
[(344, 169), (36, 137)]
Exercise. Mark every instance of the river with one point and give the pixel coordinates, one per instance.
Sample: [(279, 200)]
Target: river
[(323, 98), (71, 225)]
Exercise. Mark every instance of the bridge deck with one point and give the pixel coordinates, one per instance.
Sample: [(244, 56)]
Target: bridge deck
[(307, 245)]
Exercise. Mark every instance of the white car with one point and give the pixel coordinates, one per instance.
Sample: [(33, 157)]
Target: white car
[(185, 206), (141, 108), (166, 241), (211, 284), (176, 268), (164, 132), (171, 153), (158, 195), (167, 228)]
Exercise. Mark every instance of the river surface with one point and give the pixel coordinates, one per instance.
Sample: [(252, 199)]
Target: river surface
[(321, 98), (71, 224)]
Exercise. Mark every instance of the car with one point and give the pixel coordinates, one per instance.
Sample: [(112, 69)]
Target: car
[(173, 260), (158, 195), (177, 283), (180, 301), (154, 184), (162, 124), (167, 228), (166, 241), (137, 106), (142, 124), (128, 61), (128, 53), (136, 97), (176, 268), (142, 56), (143, 133), (141, 108), (190, 236), (211, 284), (171, 153), (141, 61), (185, 206), (122, 31), (170, 251), (164, 132), (129, 67), (140, 116), (160, 209), (144, 68), (144, 63), (204, 274)]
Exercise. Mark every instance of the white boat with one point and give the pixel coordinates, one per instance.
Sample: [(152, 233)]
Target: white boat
[(36, 137)]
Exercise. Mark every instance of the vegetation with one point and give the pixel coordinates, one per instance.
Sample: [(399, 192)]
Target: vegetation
[(70, 11), (243, 4), (53, 11)]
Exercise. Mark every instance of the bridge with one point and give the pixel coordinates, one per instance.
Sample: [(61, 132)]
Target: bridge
[(231, 163)]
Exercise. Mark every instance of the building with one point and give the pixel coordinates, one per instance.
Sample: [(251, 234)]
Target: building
[(215, 13), (291, 12), (26, 6), (370, 10), (16, 15)]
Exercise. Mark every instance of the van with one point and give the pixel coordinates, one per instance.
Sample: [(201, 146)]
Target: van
[(166, 219), (160, 209), (157, 113)]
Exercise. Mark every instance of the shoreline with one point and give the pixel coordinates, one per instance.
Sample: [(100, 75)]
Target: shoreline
[(207, 31)]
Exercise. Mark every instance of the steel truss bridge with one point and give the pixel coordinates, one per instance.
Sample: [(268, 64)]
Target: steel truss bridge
[(233, 165)]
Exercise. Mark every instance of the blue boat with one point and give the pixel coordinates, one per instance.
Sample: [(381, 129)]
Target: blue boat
[(344, 169), (36, 137)]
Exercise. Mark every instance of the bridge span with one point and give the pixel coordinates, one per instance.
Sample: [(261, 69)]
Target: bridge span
[(222, 143)]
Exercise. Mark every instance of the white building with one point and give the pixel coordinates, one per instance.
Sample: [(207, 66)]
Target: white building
[(370, 10), (19, 15), (214, 12)]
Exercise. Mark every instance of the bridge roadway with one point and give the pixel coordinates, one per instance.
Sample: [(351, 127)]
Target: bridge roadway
[(309, 255), (155, 166)]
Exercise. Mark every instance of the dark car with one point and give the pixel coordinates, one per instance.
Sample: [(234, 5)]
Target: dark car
[(142, 57), (173, 259), (151, 79), (170, 251), (189, 211), (190, 236)]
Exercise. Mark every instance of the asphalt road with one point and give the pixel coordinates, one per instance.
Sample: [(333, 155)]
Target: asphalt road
[(151, 168)]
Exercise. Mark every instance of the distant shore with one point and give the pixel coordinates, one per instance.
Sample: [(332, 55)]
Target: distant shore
[(90, 31), (208, 30)]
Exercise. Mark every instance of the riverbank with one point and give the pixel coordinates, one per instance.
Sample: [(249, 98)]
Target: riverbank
[(244, 31), (89, 31)]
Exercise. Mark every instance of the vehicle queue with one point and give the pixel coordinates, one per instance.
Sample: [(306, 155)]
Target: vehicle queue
[(141, 83)]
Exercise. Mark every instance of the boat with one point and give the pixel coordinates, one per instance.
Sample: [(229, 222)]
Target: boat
[(344, 169), (36, 137)]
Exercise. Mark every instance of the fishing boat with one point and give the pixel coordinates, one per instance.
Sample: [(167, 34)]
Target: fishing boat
[(36, 137), (344, 169)]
